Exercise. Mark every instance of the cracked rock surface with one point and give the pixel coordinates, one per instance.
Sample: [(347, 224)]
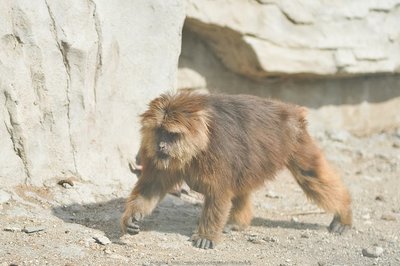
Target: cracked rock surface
[(74, 75), (274, 37)]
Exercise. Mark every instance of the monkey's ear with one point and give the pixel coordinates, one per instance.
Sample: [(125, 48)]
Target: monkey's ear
[(148, 119), (154, 115)]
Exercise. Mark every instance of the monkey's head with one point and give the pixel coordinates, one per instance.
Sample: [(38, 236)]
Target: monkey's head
[(175, 129)]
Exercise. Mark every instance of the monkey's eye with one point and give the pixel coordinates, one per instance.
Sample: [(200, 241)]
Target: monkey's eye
[(167, 136), (172, 136)]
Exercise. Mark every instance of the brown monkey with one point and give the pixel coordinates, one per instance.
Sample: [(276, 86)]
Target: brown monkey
[(226, 146)]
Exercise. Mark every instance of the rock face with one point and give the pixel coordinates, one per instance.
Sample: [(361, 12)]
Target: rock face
[(272, 37), (74, 75), (342, 59)]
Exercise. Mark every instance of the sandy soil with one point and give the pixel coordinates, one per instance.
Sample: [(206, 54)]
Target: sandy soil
[(286, 230)]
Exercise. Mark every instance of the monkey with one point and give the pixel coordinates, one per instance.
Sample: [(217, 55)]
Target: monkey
[(225, 147)]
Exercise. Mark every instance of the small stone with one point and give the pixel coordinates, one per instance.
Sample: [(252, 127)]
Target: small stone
[(66, 183), (271, 194), (305, 235), (255, 239), (379, 198), (372, 252), (33, 229), (366, 216), (12, 229), (270, 239), (294, 219), (102, 240), (107, 251), (258, 241), (340, 136), (388, 217)]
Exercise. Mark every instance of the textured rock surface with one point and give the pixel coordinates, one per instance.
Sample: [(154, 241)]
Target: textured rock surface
[(340, 59), (74, 75), (269, 37)]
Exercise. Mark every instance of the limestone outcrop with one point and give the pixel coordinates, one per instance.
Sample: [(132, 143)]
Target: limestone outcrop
[(74, 75), (276, 37)]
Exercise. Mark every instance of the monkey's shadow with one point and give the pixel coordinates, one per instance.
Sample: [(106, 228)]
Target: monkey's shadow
[(172, 215)]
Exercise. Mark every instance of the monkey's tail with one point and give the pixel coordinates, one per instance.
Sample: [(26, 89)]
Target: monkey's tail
[(319, 181)]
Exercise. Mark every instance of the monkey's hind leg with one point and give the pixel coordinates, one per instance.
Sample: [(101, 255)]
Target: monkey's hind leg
[(241, 213), (321, 184)]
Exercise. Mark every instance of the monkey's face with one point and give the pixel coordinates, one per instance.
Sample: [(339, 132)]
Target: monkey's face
[(175, 129), (165, 142)]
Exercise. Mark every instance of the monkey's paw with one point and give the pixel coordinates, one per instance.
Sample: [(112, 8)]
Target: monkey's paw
[(203, 243), (337, 227), (132, 226)]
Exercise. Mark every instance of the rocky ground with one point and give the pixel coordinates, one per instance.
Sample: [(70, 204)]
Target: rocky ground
[(37, 229)]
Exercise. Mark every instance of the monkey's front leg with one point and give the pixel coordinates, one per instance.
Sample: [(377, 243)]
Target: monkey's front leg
[(212, 220), (137, 207), (142, 201)]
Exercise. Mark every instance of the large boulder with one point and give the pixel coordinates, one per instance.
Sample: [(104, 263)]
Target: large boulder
[(274, 37), (74, 75), (340, 58)]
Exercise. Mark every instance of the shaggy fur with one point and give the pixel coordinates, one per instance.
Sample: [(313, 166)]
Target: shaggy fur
[(226, 146)]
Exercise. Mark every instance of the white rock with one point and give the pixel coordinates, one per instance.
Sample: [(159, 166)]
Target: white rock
[(103, 240), (74, 77), (33, 229), (258, 38), (373, 252)]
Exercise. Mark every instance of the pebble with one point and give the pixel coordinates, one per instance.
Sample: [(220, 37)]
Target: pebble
[(340, 136), (12, 229), (66, 183), (103, 240), (271, 194), (256, 240), (305, 235), (366, 216), (379, 198), (270, 239), (33, 229), (107, 251), (372, 252), (388, 217)]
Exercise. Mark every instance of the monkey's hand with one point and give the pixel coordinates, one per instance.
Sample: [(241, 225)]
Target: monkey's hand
[(130, 225), (200, 242)]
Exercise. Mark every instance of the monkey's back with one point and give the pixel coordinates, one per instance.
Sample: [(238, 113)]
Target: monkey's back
[(250, 139)]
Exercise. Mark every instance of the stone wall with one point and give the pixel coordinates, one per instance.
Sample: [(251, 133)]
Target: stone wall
[(74, 75)]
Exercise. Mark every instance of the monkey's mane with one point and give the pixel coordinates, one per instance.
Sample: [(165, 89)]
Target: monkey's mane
[(182, 112)]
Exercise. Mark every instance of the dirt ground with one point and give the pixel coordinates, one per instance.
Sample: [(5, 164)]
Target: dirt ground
[(286, 230)]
